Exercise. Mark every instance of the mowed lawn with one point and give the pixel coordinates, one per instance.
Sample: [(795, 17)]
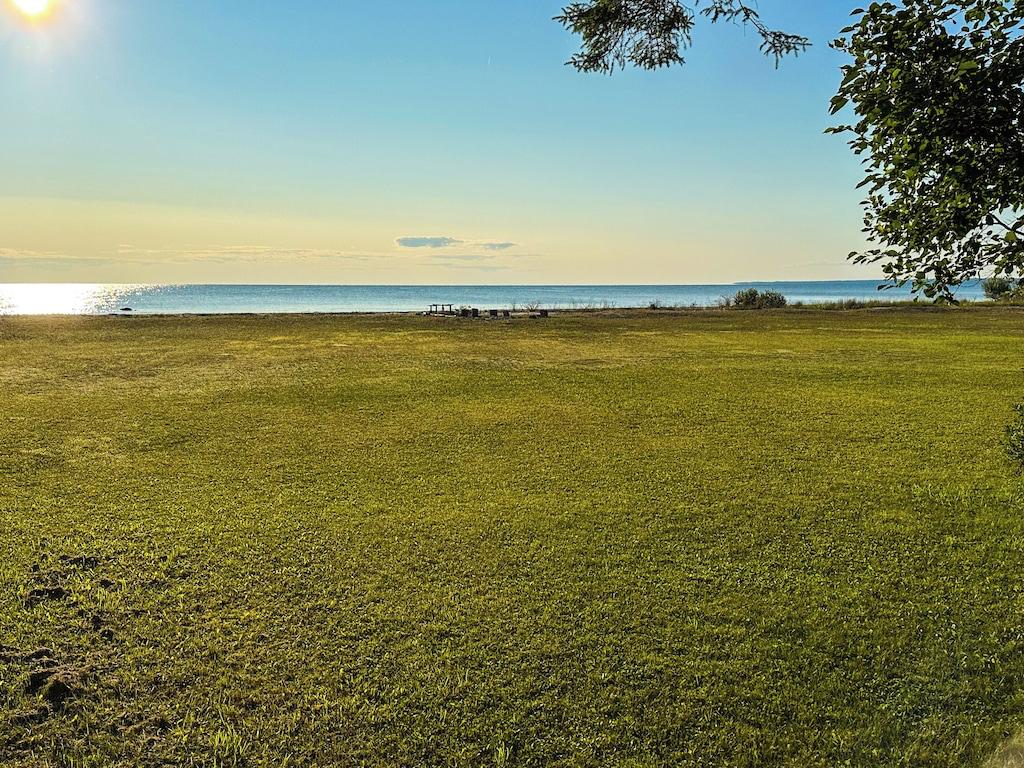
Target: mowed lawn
[(662, 539)]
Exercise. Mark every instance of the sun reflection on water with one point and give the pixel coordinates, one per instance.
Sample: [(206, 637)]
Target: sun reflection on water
[(59, 299)]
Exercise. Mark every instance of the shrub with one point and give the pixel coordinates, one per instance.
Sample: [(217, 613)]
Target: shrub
[(750, 298), (772, 300), (997, 288), (746, 299), (1013, 440)]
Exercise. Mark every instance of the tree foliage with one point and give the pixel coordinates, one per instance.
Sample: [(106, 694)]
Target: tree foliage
[(937, 87), (651, 34), (938, 91)]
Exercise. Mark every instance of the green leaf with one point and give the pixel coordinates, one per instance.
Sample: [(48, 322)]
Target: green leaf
[(838, 102)]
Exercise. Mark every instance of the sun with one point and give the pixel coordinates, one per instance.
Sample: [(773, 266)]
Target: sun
[(33, 9)]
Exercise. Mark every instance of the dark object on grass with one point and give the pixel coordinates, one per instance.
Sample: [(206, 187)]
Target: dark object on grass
[(543, 313), (40, 654), (506, 313), (56, 682), (39, 677), (492, 312), (476, 312), (86, 562), (464, 312), (60, 688), (1013, 438), (33, 716), (40, 594)]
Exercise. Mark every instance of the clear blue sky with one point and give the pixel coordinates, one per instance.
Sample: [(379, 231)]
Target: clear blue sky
[(301, 141)]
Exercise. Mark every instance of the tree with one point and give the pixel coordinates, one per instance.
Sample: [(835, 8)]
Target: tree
[(938, 90), (937, 87), (651, 34)]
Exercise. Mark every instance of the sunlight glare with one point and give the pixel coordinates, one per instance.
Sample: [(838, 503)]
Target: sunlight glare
[(54, 299), (33, 9)]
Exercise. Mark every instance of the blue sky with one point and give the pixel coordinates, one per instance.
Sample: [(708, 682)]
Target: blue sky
[(328, 141)]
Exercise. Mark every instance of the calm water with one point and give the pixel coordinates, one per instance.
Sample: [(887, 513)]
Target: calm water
[(65, 298)]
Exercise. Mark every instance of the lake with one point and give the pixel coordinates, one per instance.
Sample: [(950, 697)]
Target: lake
[(92, 299)]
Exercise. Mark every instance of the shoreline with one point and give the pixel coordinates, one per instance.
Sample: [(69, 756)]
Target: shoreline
[(893, 307)]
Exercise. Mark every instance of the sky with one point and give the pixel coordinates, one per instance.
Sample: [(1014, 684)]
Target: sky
[(411, 142)]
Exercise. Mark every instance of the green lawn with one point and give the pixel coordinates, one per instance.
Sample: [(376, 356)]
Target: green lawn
[(693, 539)]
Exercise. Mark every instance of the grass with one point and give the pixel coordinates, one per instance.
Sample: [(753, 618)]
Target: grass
[(636, 539)]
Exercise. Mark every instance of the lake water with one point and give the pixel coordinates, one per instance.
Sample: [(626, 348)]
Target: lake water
[(89, 299)]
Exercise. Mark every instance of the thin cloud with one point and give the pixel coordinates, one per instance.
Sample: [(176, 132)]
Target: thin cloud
[(450, 256), (427, 242), (446, 242), (9, 254), (239, 253), (21, 258), (246, 254), (476, 267), (466, 256)]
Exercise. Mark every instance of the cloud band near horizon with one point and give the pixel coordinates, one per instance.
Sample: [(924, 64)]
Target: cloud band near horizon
[(451, 242)]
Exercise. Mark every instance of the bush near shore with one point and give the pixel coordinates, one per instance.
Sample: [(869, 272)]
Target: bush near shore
[(751, 298)]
